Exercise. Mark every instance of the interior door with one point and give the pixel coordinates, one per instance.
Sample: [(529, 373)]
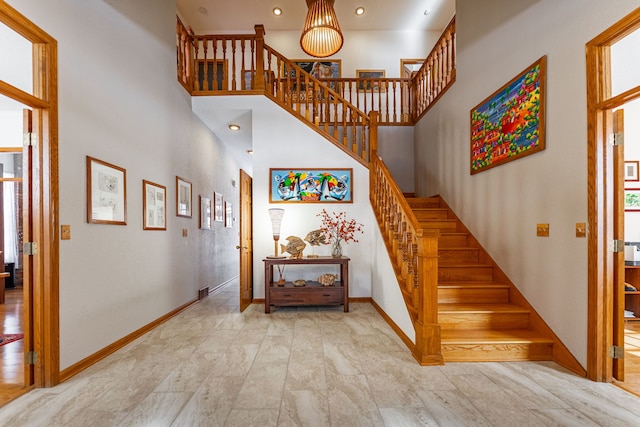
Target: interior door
[(246, 242), (618, 232)]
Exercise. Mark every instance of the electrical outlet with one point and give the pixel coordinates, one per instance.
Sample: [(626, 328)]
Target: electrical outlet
[(65, 232), (542, 230), (185, 232)]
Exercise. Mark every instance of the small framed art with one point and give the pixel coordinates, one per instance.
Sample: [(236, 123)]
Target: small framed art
[(372, 81), (228, 214), (205, 213), (183, 197), (631, 170), (154, 206), (632, 199), (106, 193), (218, 207)]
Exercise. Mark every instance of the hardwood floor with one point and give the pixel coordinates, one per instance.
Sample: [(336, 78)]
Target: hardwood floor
[(12, 354), (631, 358)]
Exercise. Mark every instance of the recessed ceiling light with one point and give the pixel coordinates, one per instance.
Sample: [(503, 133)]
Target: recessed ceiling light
[(360, 10), (277, 11), (250, 151), (427, 12), (203, 10), (234, 127)]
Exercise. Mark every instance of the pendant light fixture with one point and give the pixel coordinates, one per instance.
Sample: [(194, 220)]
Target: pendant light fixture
[(321, 35)]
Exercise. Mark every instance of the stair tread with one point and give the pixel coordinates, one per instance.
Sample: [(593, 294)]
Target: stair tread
[(471, 264), (473, 285), (480, 308), (506, 335)]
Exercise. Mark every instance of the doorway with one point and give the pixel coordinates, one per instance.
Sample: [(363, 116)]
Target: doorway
[(606, 195), (40, 260)]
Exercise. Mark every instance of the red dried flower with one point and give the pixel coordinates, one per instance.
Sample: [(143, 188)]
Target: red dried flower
[(336, 227)]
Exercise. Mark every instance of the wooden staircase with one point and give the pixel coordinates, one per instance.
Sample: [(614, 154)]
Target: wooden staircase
[(481, 315)]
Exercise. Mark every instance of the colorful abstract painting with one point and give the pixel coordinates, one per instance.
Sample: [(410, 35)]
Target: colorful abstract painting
[(510, 123), (311, 185)]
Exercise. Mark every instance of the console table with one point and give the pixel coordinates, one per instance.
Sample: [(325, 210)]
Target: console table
[(313, 293)]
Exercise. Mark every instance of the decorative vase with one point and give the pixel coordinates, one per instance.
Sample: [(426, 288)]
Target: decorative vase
[(336, 249)]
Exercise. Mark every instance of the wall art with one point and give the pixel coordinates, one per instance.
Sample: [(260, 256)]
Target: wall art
[(311, 185), (510, 123), (205, 213), (106, 193), (370, 85), (154, 206), (218, 207), (228, 214), (183, 197), (631, 170)]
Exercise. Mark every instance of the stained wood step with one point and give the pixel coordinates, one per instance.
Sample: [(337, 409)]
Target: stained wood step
[(465, 273), (439, 224), (453, 240), (465, 293), (482, 316), (495, 346), (423, 202), (449, 256), (431, 213)]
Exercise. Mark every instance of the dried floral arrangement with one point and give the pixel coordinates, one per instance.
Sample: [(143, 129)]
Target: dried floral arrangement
[(336, 227)]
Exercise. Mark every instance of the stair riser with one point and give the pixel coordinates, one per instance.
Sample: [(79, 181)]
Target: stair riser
[(442, 225), (422, 215), (464, 274), (424, 203), (496, 352), (466, 256), (481, 321), (473, 296), (454, 241)]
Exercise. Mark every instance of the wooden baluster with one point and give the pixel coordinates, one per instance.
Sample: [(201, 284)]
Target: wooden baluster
[(373, 135), (259, 77), (335, 116), (233, 63), (196, 48)]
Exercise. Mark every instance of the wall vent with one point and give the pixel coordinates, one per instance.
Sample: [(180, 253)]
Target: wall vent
[(203, 293)]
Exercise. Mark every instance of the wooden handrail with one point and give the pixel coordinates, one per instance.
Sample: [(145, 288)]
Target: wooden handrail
[(414, 255), (233, 63)]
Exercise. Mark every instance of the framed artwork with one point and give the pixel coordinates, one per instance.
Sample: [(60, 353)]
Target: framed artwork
[(632, 199), (311, 185), (370, 85), (510, 123), (631, 170), (205, 213), (218, 207), (330, 69), (154, 206), (106, 193), (228, 214), (183, 197)]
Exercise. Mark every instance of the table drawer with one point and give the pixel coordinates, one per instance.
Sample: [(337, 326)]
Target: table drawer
[(310, 296)]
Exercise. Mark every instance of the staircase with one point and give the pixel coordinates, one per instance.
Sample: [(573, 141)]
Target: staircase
[(480, 313)]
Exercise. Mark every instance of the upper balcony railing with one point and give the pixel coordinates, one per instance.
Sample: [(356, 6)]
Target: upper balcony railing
[(239, 64)]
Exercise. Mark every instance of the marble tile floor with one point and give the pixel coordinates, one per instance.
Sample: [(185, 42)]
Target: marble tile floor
[(308, 366)]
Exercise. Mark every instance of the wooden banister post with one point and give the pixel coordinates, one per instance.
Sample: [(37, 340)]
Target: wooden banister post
[(373, 133), (259, 78), (427, 350)]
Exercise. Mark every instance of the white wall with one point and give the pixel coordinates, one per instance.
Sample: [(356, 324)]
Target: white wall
[(120, 102), (496, 40)]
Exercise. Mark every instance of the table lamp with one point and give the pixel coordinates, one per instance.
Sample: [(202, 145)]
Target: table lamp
[(276, 215)]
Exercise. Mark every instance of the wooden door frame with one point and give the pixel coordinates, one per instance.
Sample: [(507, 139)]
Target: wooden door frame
[(41, 271), (600, 194)]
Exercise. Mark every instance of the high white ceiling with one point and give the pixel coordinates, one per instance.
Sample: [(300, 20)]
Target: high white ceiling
[(205, 16)]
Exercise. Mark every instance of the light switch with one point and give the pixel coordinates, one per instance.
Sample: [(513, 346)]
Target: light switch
[(65, 232), (185, 232), (542, 230), (581, 229)]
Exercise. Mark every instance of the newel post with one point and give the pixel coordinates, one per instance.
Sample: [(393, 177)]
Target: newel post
[(428, 350), (373, 133), (259, 80)]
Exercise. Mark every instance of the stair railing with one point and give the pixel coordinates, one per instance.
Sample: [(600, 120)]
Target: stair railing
[(414, 255)]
